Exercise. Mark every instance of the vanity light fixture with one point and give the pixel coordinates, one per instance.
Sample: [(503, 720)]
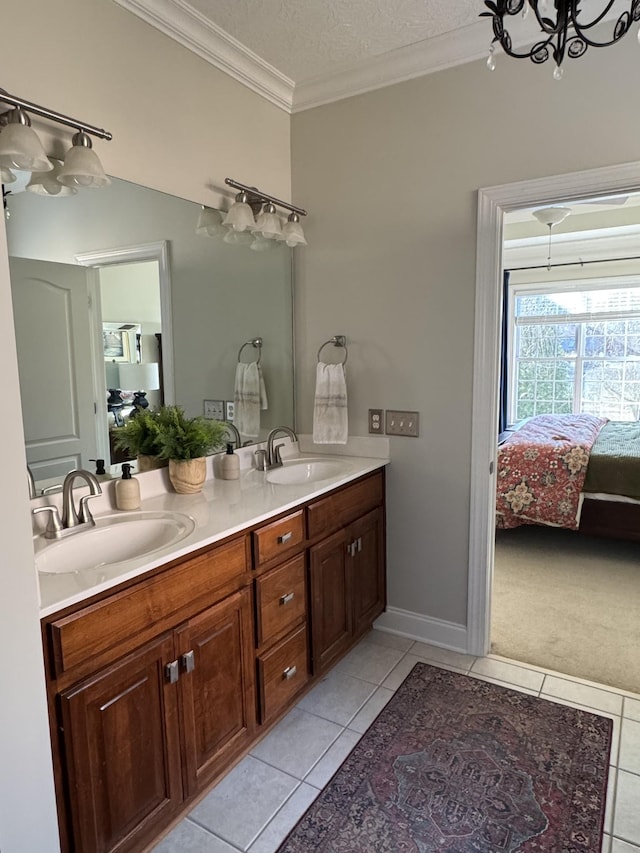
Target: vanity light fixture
[(564, 28), (256, 212), (21, 149), (210, 223), (47, 183)]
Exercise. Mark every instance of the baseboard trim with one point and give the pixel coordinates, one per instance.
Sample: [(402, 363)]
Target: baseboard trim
[(425, 629)]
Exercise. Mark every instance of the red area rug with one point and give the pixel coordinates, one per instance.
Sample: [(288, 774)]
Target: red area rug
[(463, 766)]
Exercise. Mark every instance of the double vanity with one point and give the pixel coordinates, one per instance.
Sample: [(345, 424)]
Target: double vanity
[(167, 658)]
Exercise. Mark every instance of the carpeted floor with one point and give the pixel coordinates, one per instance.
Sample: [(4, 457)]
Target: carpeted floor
[(456, 764), (569, 603)]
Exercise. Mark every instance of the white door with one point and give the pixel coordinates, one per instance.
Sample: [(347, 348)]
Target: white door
[(52, 321)]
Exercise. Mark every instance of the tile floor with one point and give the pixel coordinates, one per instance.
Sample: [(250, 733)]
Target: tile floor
[(260, 800)]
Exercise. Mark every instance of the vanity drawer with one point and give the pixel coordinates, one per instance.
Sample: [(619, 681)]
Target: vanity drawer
[(110, 628), (282, 672), (279, 537), (337, 510), (281, 599)]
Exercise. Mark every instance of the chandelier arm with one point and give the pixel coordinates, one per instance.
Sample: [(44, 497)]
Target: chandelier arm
[(580, 29), (573, 4)]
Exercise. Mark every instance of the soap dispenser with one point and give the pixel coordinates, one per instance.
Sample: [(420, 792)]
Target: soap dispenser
[(101, 473), (127, 490), (230, 465)]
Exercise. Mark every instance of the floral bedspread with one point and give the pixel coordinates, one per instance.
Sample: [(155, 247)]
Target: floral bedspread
[(542, 468)]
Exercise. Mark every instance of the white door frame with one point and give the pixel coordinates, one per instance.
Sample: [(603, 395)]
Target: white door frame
[(493, 202)]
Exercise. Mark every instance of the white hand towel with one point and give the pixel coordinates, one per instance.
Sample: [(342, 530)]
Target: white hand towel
[(330, 424), (246, 399), (264, 403)]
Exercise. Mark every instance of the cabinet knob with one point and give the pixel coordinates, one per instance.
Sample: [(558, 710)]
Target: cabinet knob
[(285, 599), (289, 672), (189, 661), (284, 538), (172, 672)]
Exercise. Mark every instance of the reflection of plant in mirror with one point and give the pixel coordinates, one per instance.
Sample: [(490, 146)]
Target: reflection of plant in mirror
[(180, 437), (140, 434)]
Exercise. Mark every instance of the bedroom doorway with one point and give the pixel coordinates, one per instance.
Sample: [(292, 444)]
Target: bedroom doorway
[(564, 600), (493, 204)]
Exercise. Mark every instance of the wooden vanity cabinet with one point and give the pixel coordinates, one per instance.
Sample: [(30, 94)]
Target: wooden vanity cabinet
[(155, 688), (143, 733), (346, 568)]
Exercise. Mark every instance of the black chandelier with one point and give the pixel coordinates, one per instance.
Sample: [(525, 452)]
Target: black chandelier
[(565, 30)]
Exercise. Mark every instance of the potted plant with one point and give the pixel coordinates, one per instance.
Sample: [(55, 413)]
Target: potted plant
[(139, 438), (185, 442)]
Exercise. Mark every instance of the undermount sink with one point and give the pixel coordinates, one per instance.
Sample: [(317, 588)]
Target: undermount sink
[(299, 471), (114, 539)]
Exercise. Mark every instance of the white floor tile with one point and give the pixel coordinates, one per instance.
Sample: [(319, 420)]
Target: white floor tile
[(443, 657), (630, 747), (276, 831), (404, 667), (626, 816), (338, 697), (606, 844), (508, 673), (631, 708), (364, 717), (610, 801), (393, 641), (582, 694), (188, 837), (224, 810), (618, 846), (297, 742), (370, 661), (504, 684), (332, 759)]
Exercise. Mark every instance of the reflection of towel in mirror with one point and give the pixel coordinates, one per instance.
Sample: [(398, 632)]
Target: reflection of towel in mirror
[(330, 425), (249, 396)]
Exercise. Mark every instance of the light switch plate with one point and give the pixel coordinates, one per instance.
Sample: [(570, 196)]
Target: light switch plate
[(402, 423), (229, 410), (214, 409)]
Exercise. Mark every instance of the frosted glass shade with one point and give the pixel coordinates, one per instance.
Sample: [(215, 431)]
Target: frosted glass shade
[(47, 183), (210, 223), (269, 223), (239, 217), (6, 176), (139, 377), (20, 148), (293, 233), (261, 244), (82, 166)]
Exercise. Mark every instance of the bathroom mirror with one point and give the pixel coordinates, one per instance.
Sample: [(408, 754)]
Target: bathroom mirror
[(137, 257)]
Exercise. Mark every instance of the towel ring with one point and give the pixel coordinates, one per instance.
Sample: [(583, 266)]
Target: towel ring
[(337, 341), (255, 342)]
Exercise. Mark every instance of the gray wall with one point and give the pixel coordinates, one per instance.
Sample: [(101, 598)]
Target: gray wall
[(391, 178)]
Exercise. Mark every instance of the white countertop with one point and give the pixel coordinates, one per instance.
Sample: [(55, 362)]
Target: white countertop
[(222, 508)]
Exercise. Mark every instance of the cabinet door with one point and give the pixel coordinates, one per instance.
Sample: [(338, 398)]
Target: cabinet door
[(367, 565), (331, 612), (217, 687), (122, 751)]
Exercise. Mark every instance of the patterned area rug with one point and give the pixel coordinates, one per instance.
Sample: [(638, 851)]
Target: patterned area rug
[(463, 766)]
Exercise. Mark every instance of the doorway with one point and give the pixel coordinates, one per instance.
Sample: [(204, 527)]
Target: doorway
[(493, 203)]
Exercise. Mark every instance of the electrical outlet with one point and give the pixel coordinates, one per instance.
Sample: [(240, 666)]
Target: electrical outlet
[(229, 409), (402, 423), (214, 409), (376, 422)]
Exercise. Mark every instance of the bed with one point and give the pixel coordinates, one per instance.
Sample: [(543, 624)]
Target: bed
[(579, 472)]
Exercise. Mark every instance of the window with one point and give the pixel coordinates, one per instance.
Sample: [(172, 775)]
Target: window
[(575, 347)]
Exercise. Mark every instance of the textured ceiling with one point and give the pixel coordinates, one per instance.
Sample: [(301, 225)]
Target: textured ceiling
[(306, 39)]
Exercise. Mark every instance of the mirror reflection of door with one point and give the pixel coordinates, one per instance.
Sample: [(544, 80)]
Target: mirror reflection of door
[(55, 356)]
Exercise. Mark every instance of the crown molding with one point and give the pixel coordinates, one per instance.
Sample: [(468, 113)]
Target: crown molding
[(416, 60), (178, 20)]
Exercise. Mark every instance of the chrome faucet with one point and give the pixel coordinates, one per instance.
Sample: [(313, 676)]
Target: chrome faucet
[(270, 458), (72, 521), (32, 484)]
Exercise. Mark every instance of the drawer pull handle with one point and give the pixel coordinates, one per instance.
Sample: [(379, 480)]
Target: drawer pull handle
[(284, 538), (289, 672), (172, 672), (359, 542), (285, 599), (189, 661)]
